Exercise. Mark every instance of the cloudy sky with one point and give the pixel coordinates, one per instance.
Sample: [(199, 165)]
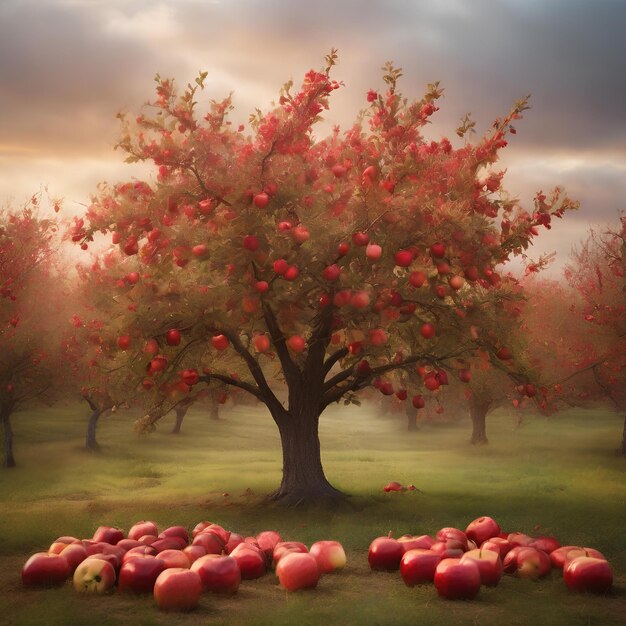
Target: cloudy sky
[(68, 66)]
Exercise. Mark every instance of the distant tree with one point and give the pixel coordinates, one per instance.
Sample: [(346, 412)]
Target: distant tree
[(30, 365), (337, 255), (598, 274)]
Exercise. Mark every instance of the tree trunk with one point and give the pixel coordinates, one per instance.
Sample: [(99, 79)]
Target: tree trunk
[(411, 416), (90, 440), (622, 450), (181, 411), (303, 475), (9, 459), (214, 410), (478, 413)]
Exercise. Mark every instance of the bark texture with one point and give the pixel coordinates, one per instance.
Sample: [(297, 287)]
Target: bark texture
[(478, 415), (303, 475)]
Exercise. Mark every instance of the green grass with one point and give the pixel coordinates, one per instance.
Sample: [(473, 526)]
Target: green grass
[(555, 476)]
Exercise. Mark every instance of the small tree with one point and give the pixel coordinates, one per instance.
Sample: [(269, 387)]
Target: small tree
[(347, 257), (29, 315)]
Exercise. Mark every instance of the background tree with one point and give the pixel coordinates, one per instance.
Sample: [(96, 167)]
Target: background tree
[(597, 273), (348, 257), (30, 355)]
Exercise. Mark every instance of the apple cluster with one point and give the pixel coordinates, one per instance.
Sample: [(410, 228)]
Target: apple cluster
[(176, 566), (458, 562)]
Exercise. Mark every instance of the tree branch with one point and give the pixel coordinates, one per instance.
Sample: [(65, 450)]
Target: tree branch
[(290, 369), (233, 382), (264, 392)]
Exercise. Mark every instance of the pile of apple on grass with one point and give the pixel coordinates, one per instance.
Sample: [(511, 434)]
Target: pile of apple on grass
[(177, 569)]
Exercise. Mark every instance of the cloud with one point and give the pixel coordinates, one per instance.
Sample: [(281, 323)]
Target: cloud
[(70, 65)]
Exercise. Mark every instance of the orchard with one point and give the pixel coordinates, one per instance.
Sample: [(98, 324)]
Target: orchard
[(180, 350)]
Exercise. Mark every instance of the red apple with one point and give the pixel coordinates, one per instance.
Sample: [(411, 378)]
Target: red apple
[(519, 539), (261, 200), (586, 573), (343, 248), (547, 544), (360, 239), (138, 551), (210, 541), (280, 266), (482, 528), (291, 273), (219, 342), (414, 542), (172, 337), (497, 544), (139, 574), (234, 540), (574, 553), (296, 343), (219, 574), (526, 562), (108, 534), (261, 343), (169, 543), (177, 589), (285, 547), (504, 354), (331, 273), (330, 555), (300, 234), (418, 402), (127, 544), (417, 279), (558, 556), (403, 258), (394, 485), (251, 243), (250, 560), (199, 250), (75, 554), (385, 553), (489, 563), (360, 299), (123, 342), (194, 552), (456, 282), (109, 558), (418, 566), (174, 558), (373, 251), (449, 532), (43, 569), (449, 548), (457, 580), (94, 576), (377, 337), (438, 250), (296, 571), (261, 286), (268, 540), (427, 331)]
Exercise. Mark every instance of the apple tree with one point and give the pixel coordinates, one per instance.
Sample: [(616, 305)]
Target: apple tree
[(597, 272), (332, 261), (30, 354)]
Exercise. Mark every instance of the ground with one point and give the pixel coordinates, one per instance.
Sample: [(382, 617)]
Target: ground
[(555, 476)]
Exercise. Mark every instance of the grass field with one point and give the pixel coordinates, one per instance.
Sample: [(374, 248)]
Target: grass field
[(552, 476)]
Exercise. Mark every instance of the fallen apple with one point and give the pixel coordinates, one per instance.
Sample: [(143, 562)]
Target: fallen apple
[(94, 576)]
